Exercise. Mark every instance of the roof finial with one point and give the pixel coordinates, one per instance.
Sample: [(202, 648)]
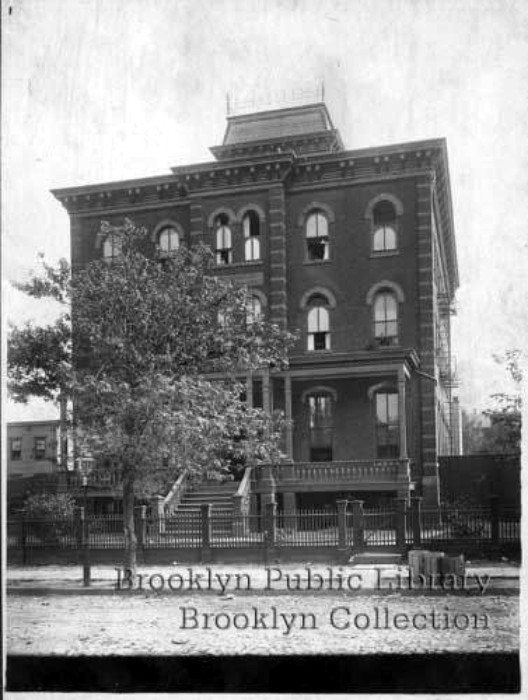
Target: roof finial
[(322, 91), (227, 104)]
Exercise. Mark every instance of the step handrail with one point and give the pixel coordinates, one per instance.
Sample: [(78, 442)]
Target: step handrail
[(242, 495), (173, 499)]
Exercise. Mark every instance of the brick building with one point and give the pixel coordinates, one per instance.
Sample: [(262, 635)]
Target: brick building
[(356, 250)]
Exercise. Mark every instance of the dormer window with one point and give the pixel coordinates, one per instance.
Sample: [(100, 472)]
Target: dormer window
[(224, 245), (317, 236), (251, 229)]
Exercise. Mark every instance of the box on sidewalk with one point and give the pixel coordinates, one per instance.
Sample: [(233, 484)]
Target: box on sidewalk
[(422, 561)]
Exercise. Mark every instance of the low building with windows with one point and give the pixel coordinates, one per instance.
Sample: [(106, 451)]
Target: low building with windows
[(355, 250), (32, 448)]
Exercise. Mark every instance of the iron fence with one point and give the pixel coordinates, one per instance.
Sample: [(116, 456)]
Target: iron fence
[(220, 528)]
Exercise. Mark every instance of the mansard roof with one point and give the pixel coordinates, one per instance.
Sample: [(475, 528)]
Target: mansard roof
[(278, 123), (302, 129)]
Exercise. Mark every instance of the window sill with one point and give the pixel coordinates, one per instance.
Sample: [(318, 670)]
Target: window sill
[(229, 266), (383, 253), (317, 262)]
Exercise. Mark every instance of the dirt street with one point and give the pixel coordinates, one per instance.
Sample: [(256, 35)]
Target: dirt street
[(260, 624)]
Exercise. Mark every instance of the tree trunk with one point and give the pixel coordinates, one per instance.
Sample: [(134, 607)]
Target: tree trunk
[(63, 429), (129, 525)]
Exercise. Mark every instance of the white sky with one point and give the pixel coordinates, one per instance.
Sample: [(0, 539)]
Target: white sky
[(101, 90)]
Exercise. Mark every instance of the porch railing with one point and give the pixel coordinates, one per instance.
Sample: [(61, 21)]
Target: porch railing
[(352, 470)]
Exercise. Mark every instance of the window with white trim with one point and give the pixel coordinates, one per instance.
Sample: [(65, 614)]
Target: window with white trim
[(254, 309), (16, 448), (168, 240), (318, 323), (387, 425), (251, 229), (384, 237), (223, 238), (317, 236), (112, 247), (385, 310), (40, 447), (320, 427)]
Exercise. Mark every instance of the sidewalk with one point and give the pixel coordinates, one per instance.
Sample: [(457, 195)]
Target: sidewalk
[(218, 579)]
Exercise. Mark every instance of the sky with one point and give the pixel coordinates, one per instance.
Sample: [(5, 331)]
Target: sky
[(103, 90)]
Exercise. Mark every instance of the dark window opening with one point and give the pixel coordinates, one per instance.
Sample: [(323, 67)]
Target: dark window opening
[(387, 425)]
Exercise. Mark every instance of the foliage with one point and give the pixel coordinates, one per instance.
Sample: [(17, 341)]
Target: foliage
[(39, 360), (50, 516), (159, 345), (497, 430), (49, 505), (505, 415)]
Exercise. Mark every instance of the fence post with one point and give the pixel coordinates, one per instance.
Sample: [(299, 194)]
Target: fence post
[(358, 526), (85, 548), (341, 523), (271, 524), (495, 525), (205, 511), (141, 527), (24, 540), (416, 518), (401, 512)]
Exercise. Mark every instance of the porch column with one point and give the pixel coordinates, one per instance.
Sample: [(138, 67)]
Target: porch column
[(288, 413), (266, 395), (249, 391), (402, 413)]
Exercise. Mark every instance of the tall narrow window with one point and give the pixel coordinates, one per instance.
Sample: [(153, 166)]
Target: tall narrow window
[(224, 248), (112, 247), (169, 240), (384, 227), (40, 447), (386, 318), (318, 323), (317, 236), (16, 448), (254, 309), (387, 425), (251, 228), (321, 427)]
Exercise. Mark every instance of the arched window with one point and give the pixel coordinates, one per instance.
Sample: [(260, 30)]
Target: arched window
[(384, 227), (254, 309), (251, 228), (387, 425), (318, 323), (317, 236), (224, 246), (112, 247), (320, 426), (385, 311), (169, 240)]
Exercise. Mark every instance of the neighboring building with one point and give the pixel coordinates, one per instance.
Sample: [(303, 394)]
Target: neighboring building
[(32, 448), (356, 249)]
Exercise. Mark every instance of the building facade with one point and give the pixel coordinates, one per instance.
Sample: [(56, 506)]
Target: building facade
[(354, 250), (32, 448)]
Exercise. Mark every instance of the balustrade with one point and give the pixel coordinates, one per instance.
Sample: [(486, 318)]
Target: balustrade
[(395, 470)]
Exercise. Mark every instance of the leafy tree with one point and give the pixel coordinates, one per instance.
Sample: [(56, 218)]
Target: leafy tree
[(49, 505), (39, 357), (159, 345), (497, 430), (505, 415)]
